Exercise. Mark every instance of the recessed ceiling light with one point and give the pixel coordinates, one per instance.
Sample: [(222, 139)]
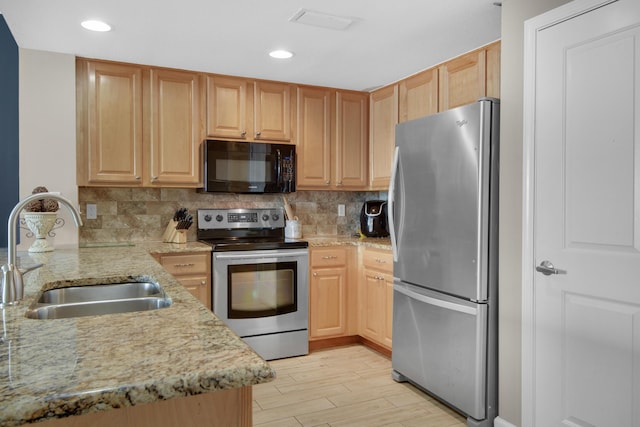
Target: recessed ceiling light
[(281, 54), (94, 25)]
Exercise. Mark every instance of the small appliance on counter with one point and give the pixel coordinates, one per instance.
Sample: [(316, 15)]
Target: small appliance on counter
[(373, 218)]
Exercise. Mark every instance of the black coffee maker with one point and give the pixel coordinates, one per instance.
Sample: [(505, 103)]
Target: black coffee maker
[(373, 218)]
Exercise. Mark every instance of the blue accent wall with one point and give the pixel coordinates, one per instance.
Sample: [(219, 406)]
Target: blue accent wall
[(9, 177)]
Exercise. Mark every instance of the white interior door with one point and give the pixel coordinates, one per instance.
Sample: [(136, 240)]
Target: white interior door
[(581, 354)]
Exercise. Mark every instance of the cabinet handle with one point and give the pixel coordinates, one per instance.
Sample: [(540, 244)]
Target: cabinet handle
[(190, 264), (154, 178), (243, 133), (327, 182), (329, 257), (137, 177), (257, 134), (381, 261)]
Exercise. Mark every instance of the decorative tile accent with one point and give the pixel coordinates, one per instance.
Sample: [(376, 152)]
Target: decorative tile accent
[(141, 214)]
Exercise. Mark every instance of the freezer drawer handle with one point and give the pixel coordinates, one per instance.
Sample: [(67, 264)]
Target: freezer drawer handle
[(440, 303), (548, 269)]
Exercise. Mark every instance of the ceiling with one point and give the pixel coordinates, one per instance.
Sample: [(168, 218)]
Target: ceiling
[(387, 40)]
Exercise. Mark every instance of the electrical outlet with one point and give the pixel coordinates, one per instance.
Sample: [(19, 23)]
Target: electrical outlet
[(340, 210), (92, 211)]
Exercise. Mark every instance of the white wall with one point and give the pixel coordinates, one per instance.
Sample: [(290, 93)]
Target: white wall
[(48, 133), (514, 13)]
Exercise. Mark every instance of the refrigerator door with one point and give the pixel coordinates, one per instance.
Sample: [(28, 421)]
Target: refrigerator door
[(440, 200), (439, 343)]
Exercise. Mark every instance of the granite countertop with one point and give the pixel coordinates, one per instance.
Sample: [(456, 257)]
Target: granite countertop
[(56, 368), (372, 242)]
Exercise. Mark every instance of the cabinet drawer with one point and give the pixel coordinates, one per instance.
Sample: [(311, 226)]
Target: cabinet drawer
[(179, 265), (194, 282), (328, 257), (378, 259)]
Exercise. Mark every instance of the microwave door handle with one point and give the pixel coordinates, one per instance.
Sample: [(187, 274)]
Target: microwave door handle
[(279, 168)]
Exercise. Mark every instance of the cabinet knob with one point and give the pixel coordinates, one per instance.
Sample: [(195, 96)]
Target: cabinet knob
[(203, 282), (137, 177), (339, 182), (327, 182), (257, 134), (154, 178), (315, 274), (243, 133)]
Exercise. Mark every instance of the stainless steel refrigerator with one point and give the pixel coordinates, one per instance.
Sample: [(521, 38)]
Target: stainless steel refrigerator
[(443, 217)]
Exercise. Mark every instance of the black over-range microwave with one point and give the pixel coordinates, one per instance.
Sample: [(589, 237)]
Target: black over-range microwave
[(249, 167)]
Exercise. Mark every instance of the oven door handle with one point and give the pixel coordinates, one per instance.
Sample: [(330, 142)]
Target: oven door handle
[(269, 254)]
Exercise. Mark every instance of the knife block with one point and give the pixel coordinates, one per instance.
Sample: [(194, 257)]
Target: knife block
[(173, 235)]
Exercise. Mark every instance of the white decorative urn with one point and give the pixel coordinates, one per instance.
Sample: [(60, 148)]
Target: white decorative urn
[(40, 224)]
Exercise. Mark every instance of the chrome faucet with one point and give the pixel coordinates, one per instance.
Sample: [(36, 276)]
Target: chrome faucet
[(12, 286)]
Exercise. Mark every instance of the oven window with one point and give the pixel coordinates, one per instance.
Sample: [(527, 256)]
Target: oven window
[(262, 290)]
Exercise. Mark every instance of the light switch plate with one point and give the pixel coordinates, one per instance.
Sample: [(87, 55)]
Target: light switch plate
[(340, 210), (92, 211)]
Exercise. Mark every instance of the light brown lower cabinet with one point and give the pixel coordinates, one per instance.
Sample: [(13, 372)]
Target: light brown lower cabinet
[(331, 292), (376, 296), (193, 271), (224, 408)]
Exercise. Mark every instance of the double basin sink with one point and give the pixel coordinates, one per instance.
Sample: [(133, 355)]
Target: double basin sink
[(98, 299)]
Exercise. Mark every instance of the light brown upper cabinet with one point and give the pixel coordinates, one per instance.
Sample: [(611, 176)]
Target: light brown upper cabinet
[(249, 110), (383, 119), (332, 139), (137, 126), (470, 76), (492, 53), (272, 111), (174, 131), (419, 95), (227, 115), (313, 138), (109, 123), (351, 140)]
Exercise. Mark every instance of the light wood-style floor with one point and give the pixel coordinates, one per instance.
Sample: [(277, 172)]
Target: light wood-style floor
[(344, 386)]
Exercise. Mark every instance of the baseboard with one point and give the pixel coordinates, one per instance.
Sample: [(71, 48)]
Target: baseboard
[(325, 343), (500, 422)]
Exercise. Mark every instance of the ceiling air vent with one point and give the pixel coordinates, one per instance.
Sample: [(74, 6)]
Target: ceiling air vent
[(319, 19)]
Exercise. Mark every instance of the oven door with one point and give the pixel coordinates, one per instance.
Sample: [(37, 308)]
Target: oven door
[(261, 292)]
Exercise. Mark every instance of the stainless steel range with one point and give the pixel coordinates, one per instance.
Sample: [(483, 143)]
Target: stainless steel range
[(260, 286)]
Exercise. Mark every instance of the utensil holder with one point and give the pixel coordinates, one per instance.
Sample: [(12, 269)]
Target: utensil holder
[(173, 235)]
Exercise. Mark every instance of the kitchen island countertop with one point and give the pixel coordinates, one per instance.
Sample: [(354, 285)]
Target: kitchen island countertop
[(56, 368)]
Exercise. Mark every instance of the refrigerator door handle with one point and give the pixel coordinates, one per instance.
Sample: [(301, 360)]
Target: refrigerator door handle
[(432, 301), (391, 200)]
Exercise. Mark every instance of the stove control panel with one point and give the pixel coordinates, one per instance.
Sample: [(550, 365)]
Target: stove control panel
[(212, 219)]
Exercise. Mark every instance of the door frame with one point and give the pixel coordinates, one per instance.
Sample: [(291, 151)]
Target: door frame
[(531, 29)]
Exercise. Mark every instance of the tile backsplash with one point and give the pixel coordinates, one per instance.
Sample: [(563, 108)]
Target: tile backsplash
[(140, 214)]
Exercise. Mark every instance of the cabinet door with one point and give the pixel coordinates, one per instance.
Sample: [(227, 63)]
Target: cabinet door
[(462, 80), (374, 310), (419, 95), (227, 107), (175, 128), (313, 138), (272, 111), (114, 128), (351, 141), (327, 310), (384, 117), (492, 53), (199, 288), (388, 310)]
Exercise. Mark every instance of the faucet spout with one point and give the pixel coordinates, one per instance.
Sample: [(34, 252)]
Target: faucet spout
[(12, 286)]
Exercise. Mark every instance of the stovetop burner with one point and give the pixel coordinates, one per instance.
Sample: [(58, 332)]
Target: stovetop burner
[(244, 229)]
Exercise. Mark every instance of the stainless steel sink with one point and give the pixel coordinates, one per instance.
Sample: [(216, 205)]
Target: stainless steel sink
[(95, 300), (100, 292)]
